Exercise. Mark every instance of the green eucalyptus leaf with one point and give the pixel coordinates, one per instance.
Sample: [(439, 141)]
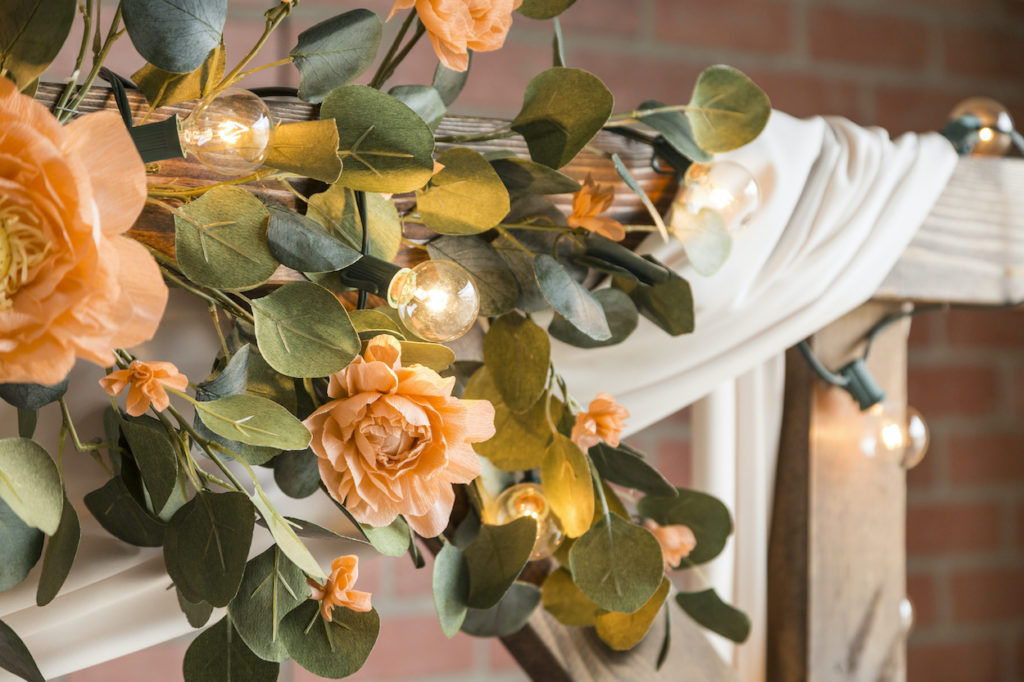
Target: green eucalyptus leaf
[(335, 51), (163, 88), (704, 514), (266, 382), (20, 548), (231, 380), (726, 109), (393, 539), (517, 354), (509, 615), (206, 544), (424, 100), (297, 473), (570, 299), (522, 176), (625, 466), (544, 9), (333, 650), (15, 657), (122, 516), (433, 355), (568, 488), (617, 564), (154, 455), (451, 588), (496, 558), (220, 240), (303, 331), (668, 304), (307, 148), (675, 128), (254, 420), (562, 111), (374, 320), (60, 554), (271, 587), (566, 602), (32, 396), (708, 609), (32, 33), (335, 209), (619, 311), (30, 483), (623, 631), (219, 654), (304, 245), (449, 83), (197, 614), (465, 197), (385, 145), (491, 274), (704, 237), (175, 35), (285, 537)]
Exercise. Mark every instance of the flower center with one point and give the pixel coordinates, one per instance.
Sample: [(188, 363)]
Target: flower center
[(23, 248)]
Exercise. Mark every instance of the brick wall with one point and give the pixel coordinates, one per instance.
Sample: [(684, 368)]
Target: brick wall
[(901, 64)]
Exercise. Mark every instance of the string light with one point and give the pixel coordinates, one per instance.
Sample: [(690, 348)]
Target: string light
[(723, 186), (437, 300), (981, 126), (231, 134), (527, 499), (894, 433)]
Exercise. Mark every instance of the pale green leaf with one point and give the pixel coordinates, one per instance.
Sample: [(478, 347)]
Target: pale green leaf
[(308, 148), (465, 197), (30, 483), (254, 420), (335, 51), (565, 602), (451, 588), (726, 109), (565, 475), (623, 631)]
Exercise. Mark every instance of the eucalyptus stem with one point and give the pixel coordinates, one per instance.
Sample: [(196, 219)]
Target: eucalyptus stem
[(637, 115), (87, 12), (202, 442), (274, 17), (496, 134), (216, 327), (183, 453), (79, 445), (97, 62), (190, 192), (599, 488), (212, 296), (377, 81), (245, 74), (515, 242)]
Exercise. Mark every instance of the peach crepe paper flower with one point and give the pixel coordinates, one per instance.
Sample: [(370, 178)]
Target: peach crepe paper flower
[(603, 421), (146, 381), (337, 591), (393, 440), (677, 541), (587, 205), (457, 26), (71, 286)]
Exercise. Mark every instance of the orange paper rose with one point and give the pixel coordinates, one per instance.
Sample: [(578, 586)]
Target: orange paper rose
[(70, 285), (393, 440), (603, 421), (677, 541), (338, 589), (146, 381), (587, 206), (457, 26)]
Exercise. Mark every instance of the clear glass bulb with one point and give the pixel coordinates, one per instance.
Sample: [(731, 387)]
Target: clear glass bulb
[(527, 499), (230, 135), (906, 613), (994, 137), (725, 187), (437, 300), (895, 434)]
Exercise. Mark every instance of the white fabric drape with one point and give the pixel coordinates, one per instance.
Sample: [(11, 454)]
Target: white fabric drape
[(840, 204)]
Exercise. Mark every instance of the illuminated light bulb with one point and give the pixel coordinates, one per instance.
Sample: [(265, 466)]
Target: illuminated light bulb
[(906, 614), (437, 300), (527, 499), (994, 135), (897, 435), (725, 187), (231, 135)]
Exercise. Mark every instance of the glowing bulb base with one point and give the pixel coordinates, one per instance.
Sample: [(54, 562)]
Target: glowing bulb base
[(527, 499)]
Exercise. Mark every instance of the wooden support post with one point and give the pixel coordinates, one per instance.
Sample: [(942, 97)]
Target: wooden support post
[(837, 556)]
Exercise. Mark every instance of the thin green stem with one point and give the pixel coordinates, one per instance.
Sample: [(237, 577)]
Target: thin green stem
[(515, 242), (274, 17), (190, 192), (182, 451), (87, 12), (637, 115), (216, 327), (79, 445), (112, 35), (203, 442), (420, 30), (377, 81), (245, 74), (496, 134)]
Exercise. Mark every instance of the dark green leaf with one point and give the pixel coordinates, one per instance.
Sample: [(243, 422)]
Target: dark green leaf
[(155, 456), (522, 176), (32, 396), (562, 110), (20, 548), (254, 420), (162, 88), (304, 245), (509, 615), (495, 282), (335, 209), (675, 128), (333, 650), (297, 473), (206, 544), (726, 110), (15, 657), (619, 311), (219, 655), (517, 354), (424, 100), (271, 587), (60, 554), (335, 51), (122, 516), (231, 380), (27, 420), (544, 9), (625, 466), (496, 558), (385, 145), (705, 515), (570, 299), (32, 32), (617, 564), (565, 474), (197, 614), (465, 197), (175, 35), (30, 483), (307, 148), (710, 611), (668, 304), (451, 588), (449, 83)]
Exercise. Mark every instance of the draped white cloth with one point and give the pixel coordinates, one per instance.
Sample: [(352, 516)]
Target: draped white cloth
[(840, 204)]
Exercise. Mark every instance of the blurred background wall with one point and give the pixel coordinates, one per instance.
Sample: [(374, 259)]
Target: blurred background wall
[(900, 64)]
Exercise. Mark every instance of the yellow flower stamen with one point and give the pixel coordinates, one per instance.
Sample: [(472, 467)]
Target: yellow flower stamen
[(23, 249)]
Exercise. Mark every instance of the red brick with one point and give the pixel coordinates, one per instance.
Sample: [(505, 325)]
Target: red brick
[(951, 527), (922, 592), (497, 79), (863, 37), (593, 17), (983, 52), (904, 109), (922, 334), (1020, 530), (137, 666), (1017, 382), (988, 595), (983, 328), (955, 661), (925, 475), (987, 459), (747, 25), (635, 79), (952, 390), (801, 94)]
